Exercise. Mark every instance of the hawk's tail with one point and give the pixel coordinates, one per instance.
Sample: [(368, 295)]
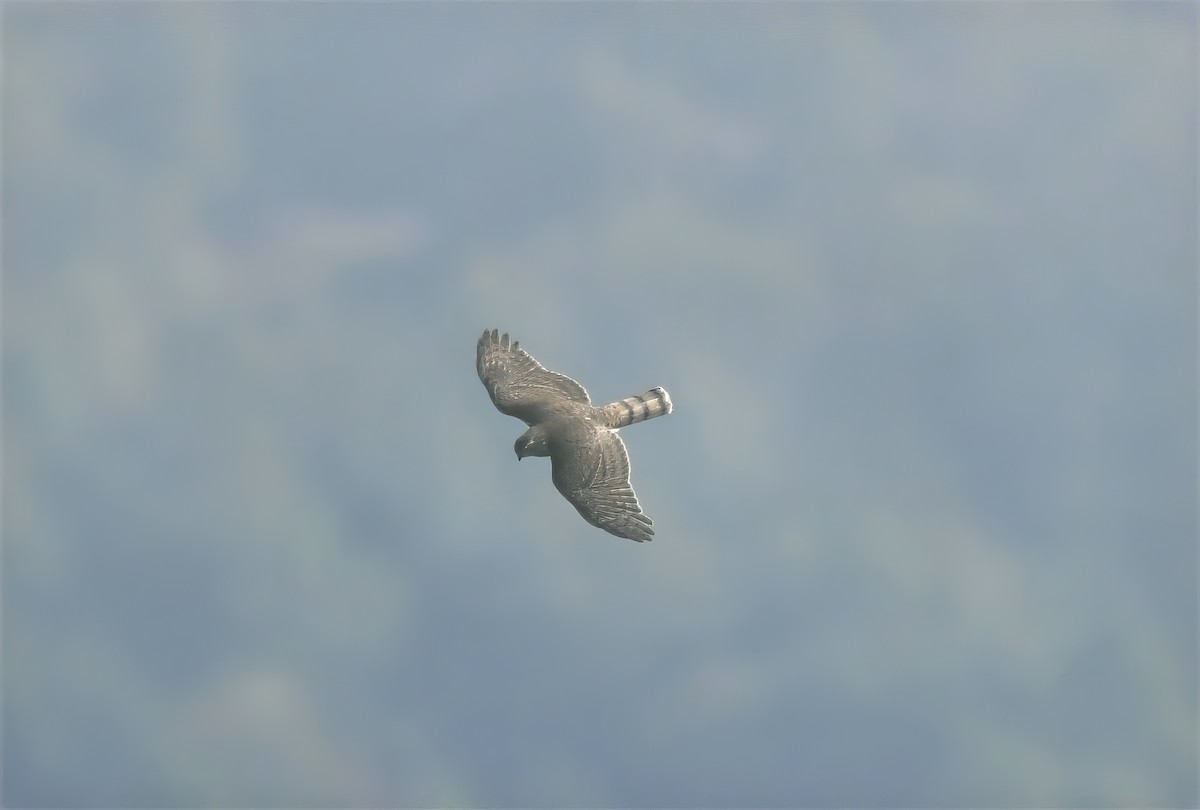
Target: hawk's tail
[(655, 402)]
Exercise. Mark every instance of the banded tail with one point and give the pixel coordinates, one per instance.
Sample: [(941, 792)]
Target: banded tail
[(655, 402)]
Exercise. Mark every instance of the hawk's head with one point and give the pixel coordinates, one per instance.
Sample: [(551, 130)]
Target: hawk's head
[(532, 443)]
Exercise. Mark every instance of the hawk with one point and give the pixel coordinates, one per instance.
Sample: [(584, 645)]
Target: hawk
[(588, 461)]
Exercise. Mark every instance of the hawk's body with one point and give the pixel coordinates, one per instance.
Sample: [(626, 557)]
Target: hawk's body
[(588, 461)]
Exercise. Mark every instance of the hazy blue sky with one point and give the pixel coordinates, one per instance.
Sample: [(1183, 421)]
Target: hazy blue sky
[(921, 279)]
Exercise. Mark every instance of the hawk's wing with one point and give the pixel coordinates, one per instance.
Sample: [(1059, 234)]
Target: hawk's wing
[(519, 385), (592, 472)]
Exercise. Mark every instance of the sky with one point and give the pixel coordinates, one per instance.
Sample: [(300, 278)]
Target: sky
[(921, 280)]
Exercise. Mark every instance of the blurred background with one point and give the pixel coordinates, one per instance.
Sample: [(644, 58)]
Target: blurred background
[(920, 278)]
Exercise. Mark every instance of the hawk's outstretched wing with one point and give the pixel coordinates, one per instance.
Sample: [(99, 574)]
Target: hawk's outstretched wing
[(592, 472), (519, 385)]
